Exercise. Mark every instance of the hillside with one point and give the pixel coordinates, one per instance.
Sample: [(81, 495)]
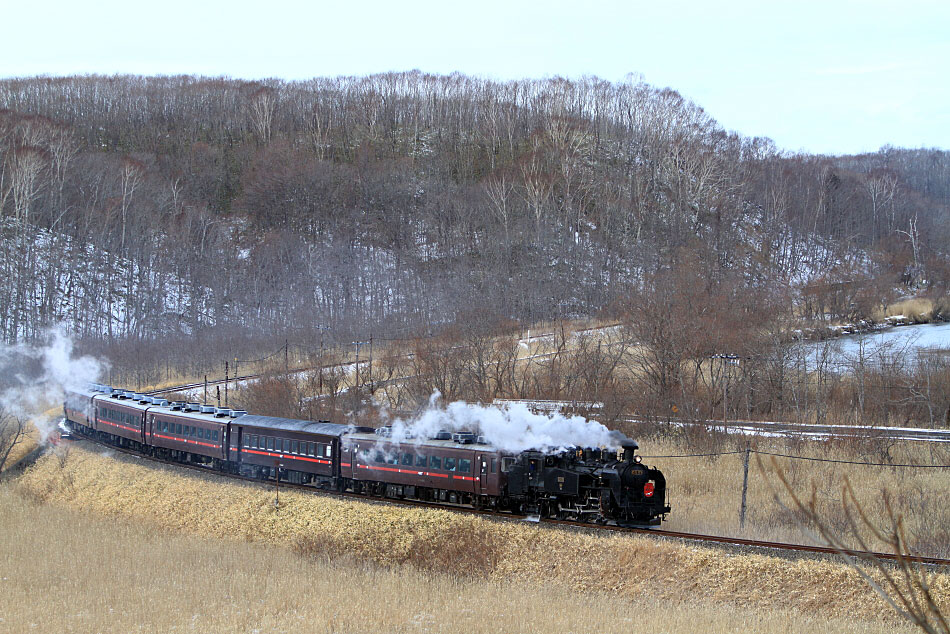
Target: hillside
[(396, 202)]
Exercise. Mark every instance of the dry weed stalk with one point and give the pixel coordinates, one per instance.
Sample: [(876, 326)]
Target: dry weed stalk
[(906, 589)]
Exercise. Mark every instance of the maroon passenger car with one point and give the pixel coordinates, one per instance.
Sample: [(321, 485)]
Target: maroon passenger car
[(122, 414), (303, 451), (455, 470), (199, 432)]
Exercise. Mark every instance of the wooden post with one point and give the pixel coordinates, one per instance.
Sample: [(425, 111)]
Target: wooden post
[(218, 388), (206, 391), (286, 356), (745, 484), (226, 379)]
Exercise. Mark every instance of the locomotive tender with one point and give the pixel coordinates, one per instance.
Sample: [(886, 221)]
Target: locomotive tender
[(583, 484)]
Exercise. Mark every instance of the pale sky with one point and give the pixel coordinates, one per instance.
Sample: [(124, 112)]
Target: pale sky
[(831, 77)]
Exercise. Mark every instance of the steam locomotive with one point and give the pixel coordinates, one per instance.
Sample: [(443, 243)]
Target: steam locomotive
[(583, 484)]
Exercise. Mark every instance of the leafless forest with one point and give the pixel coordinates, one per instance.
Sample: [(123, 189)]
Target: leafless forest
[(168, 219)]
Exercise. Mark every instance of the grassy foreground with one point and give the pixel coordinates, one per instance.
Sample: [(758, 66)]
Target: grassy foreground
[(62, 571), (420, 559), (705, 491)]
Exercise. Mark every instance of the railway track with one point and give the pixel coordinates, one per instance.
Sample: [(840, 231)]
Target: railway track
[(678, 535)]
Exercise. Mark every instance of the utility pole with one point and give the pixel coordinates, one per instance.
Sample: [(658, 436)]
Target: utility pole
[(226, 379), (218, 389), (745, 483), (286, 356), (206, 389)]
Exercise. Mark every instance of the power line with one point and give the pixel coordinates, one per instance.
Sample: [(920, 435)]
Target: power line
[(793, 457)]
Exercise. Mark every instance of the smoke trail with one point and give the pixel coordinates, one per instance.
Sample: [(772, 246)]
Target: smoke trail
[(34, 379), (514, 428)]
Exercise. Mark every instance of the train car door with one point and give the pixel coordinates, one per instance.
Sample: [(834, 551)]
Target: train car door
[(237, 442), (481, 462)]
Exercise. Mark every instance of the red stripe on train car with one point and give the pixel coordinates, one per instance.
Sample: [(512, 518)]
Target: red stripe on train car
[(126, 427), (185, 440), (288, 456)]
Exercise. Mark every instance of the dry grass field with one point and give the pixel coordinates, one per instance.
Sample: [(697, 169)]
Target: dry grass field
[(433, 548), (706, 491), (65, 571)]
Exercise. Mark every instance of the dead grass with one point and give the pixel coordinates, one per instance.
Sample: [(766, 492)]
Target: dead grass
[(627, 567), (62, 571), (706, 491), (917, 309)]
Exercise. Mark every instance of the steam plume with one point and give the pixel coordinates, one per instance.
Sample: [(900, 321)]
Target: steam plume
[(514, 428), (35, 379)]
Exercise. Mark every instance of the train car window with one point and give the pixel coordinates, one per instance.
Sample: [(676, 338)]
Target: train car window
[(214, 435), (270, 443), (506, 464), (450, 464), (309, 448), (178, 429), (407, 459), (253, 442), (328, 451), (493, 465), (247, 441), (379, 457), (421, 461), (465, 466), (393, 458), (435, 462), (294, 446), (201, 433)]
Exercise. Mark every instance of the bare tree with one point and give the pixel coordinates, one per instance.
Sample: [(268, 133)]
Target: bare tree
[(262, 108), (907, 589), (13, 430)]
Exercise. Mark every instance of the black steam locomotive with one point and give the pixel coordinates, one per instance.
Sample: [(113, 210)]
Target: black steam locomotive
[(588, 485), (583, 484)]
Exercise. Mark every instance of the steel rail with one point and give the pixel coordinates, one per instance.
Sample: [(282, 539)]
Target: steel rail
[(504, 516)]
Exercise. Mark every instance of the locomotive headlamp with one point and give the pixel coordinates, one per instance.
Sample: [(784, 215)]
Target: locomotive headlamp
[(637, 459)]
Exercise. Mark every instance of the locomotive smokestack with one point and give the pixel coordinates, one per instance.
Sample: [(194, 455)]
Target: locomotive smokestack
[(629, 446)]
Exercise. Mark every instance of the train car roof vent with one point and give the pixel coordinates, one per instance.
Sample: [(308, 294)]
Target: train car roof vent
[(221, 412), (160, 402), (385, 431), (481, 440), (144, 399), (192, 407), (464, 437), (443, 434), (237, 413), (177, 405), (207, 409)]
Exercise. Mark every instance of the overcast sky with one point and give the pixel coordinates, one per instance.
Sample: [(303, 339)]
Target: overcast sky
[(833, 77)]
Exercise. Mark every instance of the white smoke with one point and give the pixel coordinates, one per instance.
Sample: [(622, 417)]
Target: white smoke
[(513, 428), (35, 378)]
